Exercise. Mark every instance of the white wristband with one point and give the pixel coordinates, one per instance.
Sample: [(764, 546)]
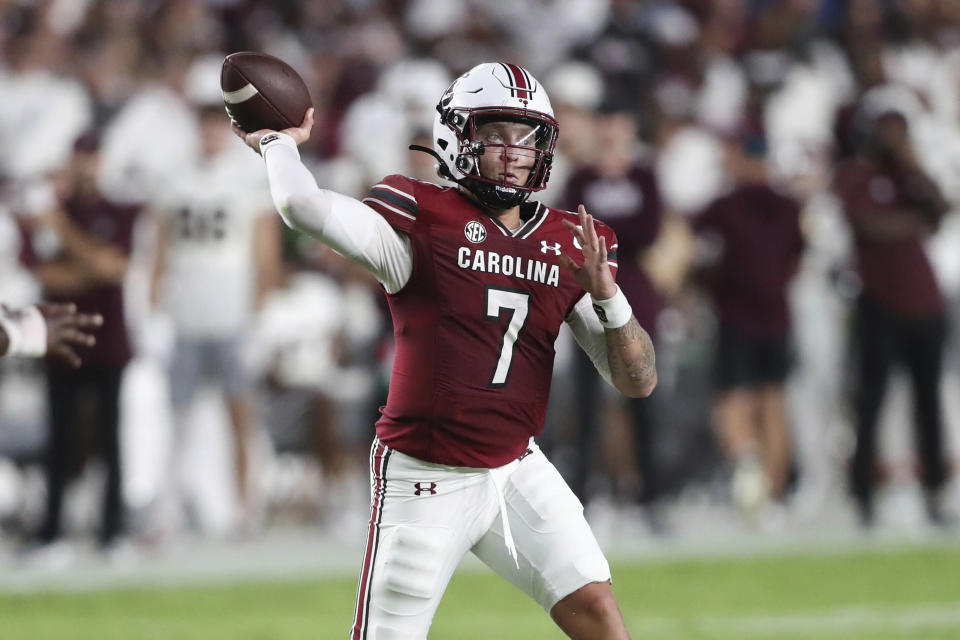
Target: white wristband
[(26, 332), (274, 139), (613, 312)]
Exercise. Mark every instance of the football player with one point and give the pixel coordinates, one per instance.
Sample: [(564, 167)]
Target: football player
[(479, 280), (46, 329), (217, 256)]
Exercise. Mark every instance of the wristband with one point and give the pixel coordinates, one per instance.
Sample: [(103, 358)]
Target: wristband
[(26, 332), (613, 312), (275, 138)]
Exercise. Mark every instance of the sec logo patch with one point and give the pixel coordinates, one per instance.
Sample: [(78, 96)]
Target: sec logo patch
[(475, 232)]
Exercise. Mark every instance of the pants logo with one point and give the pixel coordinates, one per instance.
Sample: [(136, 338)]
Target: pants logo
[(423, 487), (550, 246)]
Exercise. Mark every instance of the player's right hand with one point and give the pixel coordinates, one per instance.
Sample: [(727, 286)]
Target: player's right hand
[(67, 329), (299, 134)]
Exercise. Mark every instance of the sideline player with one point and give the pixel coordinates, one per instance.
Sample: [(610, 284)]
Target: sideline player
[(217, 256), (477, 293), (46, 329)]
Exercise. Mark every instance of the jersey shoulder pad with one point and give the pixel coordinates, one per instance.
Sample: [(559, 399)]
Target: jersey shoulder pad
[(395, 198)]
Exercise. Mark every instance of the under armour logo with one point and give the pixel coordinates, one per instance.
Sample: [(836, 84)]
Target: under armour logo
[(600, 312), (550, 246), (422, 487)]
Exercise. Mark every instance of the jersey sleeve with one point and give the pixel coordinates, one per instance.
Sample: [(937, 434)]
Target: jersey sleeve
[(395, 199)]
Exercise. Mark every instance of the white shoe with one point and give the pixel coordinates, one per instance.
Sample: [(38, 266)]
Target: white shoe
[(52, 556), (120, 553), (749, 487)]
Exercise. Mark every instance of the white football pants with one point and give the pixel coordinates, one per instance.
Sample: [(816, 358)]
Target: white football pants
[(425, 517)]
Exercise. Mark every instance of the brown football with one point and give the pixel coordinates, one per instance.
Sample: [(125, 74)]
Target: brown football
[(262, 92)]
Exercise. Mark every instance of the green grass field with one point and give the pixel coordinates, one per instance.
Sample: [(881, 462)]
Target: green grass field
[(909, 593)]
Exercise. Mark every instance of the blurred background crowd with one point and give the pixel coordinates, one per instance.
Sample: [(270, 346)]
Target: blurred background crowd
[(783, 175)]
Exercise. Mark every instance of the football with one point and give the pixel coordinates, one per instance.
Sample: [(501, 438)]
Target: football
[(262, 92)]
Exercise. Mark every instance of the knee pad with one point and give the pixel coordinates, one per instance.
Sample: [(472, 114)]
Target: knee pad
[(410, 569)]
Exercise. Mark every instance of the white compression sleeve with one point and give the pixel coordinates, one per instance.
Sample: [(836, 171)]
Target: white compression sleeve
[(588, 331), (26, 331), (344, 224)]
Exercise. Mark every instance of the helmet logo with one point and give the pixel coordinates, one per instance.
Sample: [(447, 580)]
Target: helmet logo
[(493, 92), (475, 232), (518, 82)]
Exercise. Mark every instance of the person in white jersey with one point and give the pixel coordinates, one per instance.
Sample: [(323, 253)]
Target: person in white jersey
[(218, 249)]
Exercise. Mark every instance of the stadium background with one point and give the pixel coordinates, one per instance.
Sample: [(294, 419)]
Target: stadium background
[(140, 72)]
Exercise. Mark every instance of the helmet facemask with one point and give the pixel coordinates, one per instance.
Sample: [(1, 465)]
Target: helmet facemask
[(534, 152), (495, 92)]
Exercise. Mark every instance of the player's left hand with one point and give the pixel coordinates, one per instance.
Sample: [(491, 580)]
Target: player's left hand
[(594, 275)]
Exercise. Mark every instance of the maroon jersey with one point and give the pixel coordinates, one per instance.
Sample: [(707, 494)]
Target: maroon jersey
[(475, 325), (112, 224), (896, 272), (759, 231)]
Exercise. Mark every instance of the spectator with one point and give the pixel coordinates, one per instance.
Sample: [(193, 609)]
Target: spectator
[(154, 135), (47, 108), (218, 250), (378, 126), (622, 191), (893, 206), (578, 90), (751, 246), (95, 237)]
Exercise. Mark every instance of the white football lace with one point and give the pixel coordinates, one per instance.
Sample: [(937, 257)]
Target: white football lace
[(507, 535)]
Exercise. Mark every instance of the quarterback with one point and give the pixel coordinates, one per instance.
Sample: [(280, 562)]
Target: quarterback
[(479, 280)]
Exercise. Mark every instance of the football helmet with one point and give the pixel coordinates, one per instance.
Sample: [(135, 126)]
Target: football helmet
[(494, 92)]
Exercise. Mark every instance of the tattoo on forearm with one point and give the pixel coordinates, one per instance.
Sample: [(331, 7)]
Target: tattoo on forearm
[(630, 353)]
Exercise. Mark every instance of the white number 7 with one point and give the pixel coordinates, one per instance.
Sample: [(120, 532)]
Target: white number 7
[(517, 302)]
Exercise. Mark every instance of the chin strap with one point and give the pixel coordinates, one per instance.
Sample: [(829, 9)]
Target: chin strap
[(485, 186), (441, 167)]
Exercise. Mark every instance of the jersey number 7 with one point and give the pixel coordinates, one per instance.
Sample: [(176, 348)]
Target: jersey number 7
[(516, 302)]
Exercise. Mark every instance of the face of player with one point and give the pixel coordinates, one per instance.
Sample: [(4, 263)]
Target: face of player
[(502, 159)]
